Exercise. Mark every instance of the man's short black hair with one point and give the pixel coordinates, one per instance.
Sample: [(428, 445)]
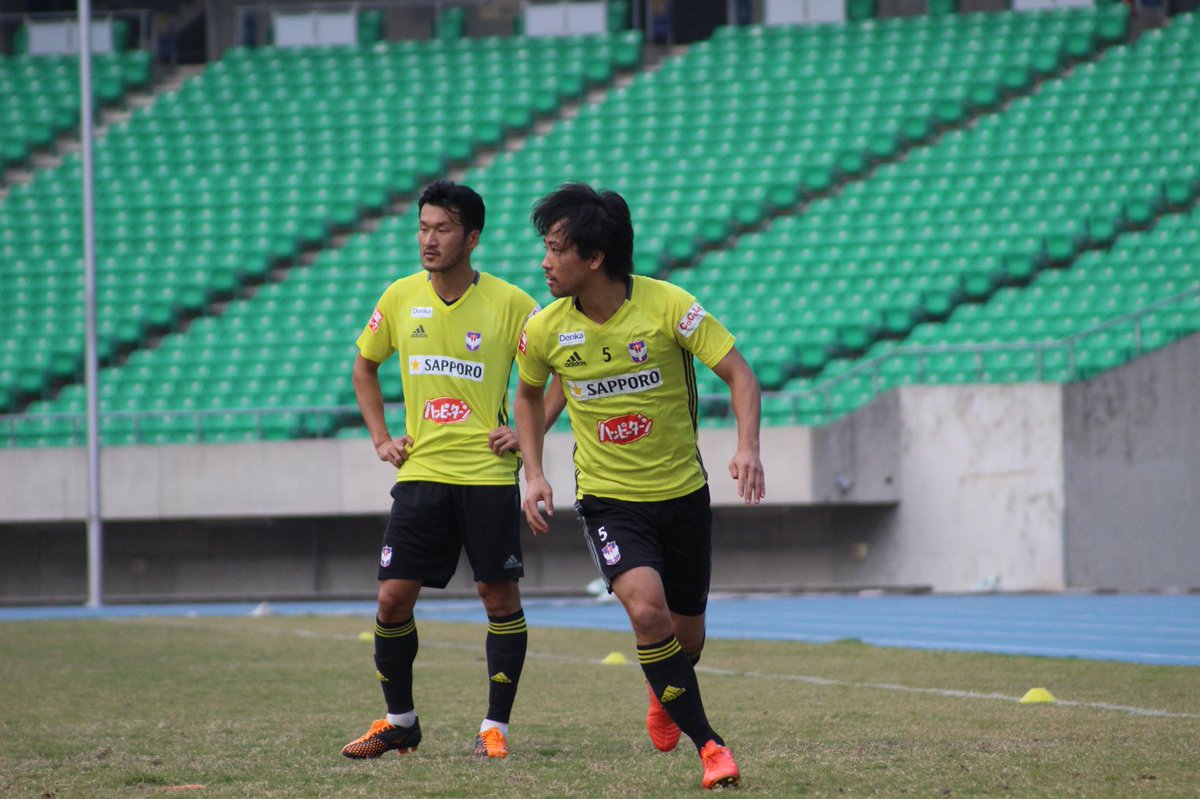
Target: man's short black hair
[(593, 221), (463, 201)]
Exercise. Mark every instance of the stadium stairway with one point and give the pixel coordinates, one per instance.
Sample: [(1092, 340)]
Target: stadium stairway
[(757, 119), (218, 161), (41, 98), (329, 293), (1071, 322), (1066, 168), (707, 154)]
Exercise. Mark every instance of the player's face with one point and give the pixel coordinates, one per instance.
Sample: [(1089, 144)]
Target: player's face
[(444, 242), (566, 273)]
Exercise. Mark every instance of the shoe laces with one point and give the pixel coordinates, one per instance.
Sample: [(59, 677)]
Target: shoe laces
[(376, 727), (713, 753)]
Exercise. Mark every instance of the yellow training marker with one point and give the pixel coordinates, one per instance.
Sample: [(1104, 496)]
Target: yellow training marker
[(614, 659), (1036, 696)]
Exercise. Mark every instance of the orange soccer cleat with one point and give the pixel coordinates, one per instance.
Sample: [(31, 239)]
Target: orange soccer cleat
[(664, 732), (491, 743), (719, 769), (382, 737)]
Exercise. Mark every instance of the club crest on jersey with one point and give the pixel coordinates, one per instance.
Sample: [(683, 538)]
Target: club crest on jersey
[(447, 410), (637, 351), (376, 318), (623, 429), (473, 340), (446, 367), (611, 553), (691, 320), (385, 557), (584, 390), (422, 312)]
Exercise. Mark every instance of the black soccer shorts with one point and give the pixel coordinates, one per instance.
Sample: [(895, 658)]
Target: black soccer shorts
[(673, 537), (431, 524)]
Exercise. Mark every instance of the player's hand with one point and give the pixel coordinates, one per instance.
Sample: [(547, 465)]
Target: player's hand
[(502, 440), (538, 490), (395, 450), (747, 469)]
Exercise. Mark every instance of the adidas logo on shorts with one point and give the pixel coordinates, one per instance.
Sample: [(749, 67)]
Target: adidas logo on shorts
[(575, 360), (513, 562)]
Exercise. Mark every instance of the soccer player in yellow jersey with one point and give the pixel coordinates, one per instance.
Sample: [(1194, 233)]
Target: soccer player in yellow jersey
[(623, 347), (456, 332)]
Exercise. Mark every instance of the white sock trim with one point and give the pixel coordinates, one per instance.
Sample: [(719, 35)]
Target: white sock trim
[(488, 724), (402, 719)]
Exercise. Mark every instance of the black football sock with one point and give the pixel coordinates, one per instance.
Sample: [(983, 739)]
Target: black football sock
[(673, 680), (507, 640), (395, 651)]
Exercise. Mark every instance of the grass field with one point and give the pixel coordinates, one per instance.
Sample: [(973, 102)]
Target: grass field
[(261, 707)]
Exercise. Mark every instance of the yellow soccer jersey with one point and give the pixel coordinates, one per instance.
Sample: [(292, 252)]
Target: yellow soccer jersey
[(630, 385), (455, 361)]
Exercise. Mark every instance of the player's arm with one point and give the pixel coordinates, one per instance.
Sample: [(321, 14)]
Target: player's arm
[(369, 394), (746, 399), (505, 439), (556, 400), (530, 412)]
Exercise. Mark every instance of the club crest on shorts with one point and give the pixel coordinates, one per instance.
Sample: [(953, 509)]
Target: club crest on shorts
[(473, 340), (385, 557), (637, 351), (611, 553)]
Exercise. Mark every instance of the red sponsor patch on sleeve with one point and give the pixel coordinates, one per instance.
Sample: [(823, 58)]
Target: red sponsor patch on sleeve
[(522, 341), (376, 318), (691, 320)]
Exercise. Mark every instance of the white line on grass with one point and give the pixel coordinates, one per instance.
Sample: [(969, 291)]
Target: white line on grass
[(803, 678), (951, 692)]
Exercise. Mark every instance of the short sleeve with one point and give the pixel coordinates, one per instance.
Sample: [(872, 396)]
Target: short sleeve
[(531, 361), (698, 331), (375, 341)]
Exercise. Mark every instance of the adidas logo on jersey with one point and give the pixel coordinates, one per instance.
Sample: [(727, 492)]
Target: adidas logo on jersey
[(575, 360), (671, 693), (501, 678), (419, 332)]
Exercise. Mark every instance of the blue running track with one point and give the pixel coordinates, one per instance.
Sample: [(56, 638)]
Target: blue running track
[(1152, 629)]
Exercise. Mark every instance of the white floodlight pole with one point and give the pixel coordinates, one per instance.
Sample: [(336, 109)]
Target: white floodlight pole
[(95, 530)]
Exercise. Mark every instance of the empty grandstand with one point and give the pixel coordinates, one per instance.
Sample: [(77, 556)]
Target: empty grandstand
[(879, 207)]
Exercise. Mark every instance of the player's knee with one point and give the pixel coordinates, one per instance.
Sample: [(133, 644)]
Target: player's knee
[(500, 599), (649, 620), (394, 606)]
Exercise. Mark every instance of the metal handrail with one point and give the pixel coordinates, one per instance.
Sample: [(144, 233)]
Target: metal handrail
[(9, 422), (1070, 344)]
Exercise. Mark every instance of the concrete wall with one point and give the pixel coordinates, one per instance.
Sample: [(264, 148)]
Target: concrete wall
[(1132, 449), (336, 477), (954, 488), (981, 506), (305, 518)]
